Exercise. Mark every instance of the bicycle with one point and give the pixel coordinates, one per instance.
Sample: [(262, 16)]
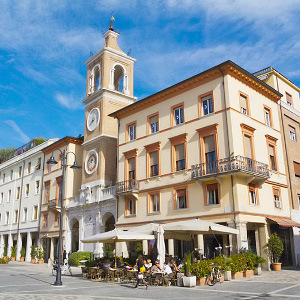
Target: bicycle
[(214, 276), (64, 268)]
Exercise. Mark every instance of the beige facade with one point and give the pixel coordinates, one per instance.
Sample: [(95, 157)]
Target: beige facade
[(217, 157), (52, 189)]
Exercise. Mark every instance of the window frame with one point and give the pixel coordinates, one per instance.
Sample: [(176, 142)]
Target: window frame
[(178, 140), (173, 108), (150, 149), (266, 108), (280, 199), (295, 138), (253, 187), (200, 103), (271, 141), (128, 155), (58, 181), (29, 167), (248, 131), (296, 166), (47, 183), (176, 208), (149, 124), (25, 214), (150, 202), (45, 220), (134, 123), (288, 95), (205, 193), (127, 208), (27, 189), (33, 212), (247, 103)]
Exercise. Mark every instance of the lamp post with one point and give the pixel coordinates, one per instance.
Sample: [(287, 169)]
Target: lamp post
[(75, 165)]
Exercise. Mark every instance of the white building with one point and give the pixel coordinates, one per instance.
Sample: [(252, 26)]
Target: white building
[(21, 179)]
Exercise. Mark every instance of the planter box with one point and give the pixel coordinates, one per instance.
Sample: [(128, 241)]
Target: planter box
[(257, 271), (248, 273), (237, 275), (201, 281), (276, 266), (179, 279), (189, 281), (227, 275), (33, 260), (21, 258), (40, 261), (12, 258)]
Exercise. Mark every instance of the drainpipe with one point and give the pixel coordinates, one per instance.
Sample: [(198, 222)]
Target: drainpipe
[(286, 155), (228, 145)]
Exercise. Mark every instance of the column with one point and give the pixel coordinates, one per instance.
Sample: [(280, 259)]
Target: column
[(51, 254), (200, 243), (1, 245), (10, 243), (171, 246), (232, 247), (242, 241), (19, 246), (81, 233), (257, 244), (263, 240), (28, 247), (145, 247), (68, 236)]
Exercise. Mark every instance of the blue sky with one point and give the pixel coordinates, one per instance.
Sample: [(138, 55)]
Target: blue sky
[(44, 46)]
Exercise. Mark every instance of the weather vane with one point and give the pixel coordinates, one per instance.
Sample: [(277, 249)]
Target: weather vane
[(112, 19)]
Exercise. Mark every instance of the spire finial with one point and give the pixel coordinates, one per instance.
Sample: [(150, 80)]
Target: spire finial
[(112, 19)]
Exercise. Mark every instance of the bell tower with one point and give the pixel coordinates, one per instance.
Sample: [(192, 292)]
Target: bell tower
[(109, 88)]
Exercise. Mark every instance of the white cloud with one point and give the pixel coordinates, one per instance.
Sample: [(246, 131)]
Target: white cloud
[(69, 101), (22, 136)]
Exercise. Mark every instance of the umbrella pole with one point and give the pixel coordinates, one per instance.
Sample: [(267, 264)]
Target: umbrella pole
[(115, 254)]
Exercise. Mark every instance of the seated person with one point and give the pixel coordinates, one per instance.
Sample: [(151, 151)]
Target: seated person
[(148, 264), (155, 268), (106, 264), (168, 274), (172, 264)]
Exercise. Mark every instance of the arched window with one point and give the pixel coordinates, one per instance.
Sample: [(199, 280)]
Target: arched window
[(119, 79), (95, 79)]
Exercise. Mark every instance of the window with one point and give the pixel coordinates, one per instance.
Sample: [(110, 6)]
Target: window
[(153, 123), (289, 99), (59, 161), (244, 104), (49, 166), (154, 203), (253, 196), (178, 115), (130, 206), (297, 169), (154, 163), (207, 105), (131, 132), (20, 171), (9, 196), (267, 112), (27, 190), (35, 212), (58, 188), (131, 168), (277, 198), (47, 192), (24, 214), (45, 220), (210, 153), (3, 178), (29, 168), (18, 192), (292, 132), (179, 152), (57, 220), (16, 216), (37, 187), (248, 146), (1, 198), (248, 136), (130, 164), (212, 194), (0, 218), (38, 165), (180, 157), (153, 160), (11, 174), (7, 218), (181, 199), (272, 157)]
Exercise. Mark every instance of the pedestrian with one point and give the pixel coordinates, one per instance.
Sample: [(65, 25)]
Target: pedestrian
[(141, 269)]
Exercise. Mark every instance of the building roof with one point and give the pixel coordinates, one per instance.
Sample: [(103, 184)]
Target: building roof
[(227, 67), (63, 141)]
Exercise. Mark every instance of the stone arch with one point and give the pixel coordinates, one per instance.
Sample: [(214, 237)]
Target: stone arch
[(95, 79), (120, 78), (74, 229), (108, 221)]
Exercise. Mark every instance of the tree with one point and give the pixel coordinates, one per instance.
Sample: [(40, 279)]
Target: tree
[(275, 247), (6, 150)]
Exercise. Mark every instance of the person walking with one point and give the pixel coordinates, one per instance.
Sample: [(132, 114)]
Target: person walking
[(141, 269)]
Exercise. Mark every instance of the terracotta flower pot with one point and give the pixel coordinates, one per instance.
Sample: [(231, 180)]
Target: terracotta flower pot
[(12, 258), (276, 266), (5, 257), (40, 261), (33, 260), (21, 258), (237, 275), (248, 273), (201, 281)]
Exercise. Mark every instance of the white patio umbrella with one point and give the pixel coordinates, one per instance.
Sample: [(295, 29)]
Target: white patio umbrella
[(115, 236), (161, 245)]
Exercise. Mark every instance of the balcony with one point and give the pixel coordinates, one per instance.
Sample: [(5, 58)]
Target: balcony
[(108, 193), (128, 187), (246, 166), (53, 205)]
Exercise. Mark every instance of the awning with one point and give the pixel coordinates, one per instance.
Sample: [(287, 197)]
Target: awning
[(285, 222)]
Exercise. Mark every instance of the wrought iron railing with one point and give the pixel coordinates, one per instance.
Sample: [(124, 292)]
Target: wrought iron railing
[(230, 164), (53, 204), (127, 186)]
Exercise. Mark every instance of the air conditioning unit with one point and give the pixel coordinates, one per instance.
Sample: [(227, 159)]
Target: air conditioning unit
[(277, 204)]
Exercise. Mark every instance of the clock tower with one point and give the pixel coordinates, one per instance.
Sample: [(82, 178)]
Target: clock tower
[(109, 88)]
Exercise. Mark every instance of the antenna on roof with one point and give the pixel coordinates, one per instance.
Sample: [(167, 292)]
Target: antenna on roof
[(129, 52)]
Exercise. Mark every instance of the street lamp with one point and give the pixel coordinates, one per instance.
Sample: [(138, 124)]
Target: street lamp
[(75, 165)]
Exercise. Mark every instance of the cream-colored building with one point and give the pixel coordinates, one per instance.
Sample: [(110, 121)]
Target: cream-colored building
[(206, 148), (52, 188)]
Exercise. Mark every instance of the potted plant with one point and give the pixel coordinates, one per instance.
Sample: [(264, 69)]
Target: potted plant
[(22, 253), (33, 254), (13, 253), (274, 250), (236, 266), (5, 252), (40, 255), (201, 269), (257, 261), (188, 279)]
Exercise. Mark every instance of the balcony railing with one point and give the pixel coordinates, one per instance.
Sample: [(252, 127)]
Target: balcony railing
[(53, 204), (131, 185), (231, 164), (108, 193)]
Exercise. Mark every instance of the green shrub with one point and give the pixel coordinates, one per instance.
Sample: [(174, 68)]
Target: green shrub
[(40, 253), (23, 252), (33, 252), (13, 251), (76, 257), (202, 268), (5, 251), (274, 247)]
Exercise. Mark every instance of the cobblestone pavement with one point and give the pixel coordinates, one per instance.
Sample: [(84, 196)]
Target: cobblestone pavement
[(23, 281)]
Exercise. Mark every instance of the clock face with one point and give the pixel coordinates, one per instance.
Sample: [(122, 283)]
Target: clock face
[(93, 119), (91, 162)]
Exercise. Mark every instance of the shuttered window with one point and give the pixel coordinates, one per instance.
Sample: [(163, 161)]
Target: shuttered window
[(292, 133), (248, 148), (243, 100), (212, 194), (180, 157), (272, 157), (289, 99), (131, 168), (297, 169), (181, 199), (154, 163)]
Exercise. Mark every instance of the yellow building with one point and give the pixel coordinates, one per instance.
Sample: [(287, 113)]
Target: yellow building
[(208, 147)]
